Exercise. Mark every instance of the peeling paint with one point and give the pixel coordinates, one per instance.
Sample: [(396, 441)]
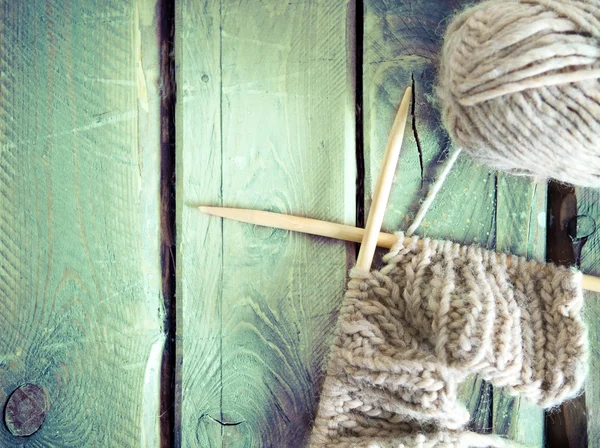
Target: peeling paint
[(150, 425), (140, 76)]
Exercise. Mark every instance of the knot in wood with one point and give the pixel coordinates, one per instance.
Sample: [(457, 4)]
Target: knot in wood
[(25, 410)]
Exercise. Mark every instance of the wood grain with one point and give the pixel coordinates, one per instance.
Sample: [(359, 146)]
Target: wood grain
[(476, 205), (80, 302), (588, 203), (265, 120)]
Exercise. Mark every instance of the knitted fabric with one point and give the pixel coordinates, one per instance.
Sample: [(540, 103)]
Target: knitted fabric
[(450, 439), (437, 312)]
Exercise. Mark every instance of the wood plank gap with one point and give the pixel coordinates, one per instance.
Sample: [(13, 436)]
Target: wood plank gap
[(221, 195), (168, 91), (356, 38)]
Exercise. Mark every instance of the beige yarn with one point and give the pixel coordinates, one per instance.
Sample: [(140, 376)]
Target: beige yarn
[(433, 440), (408, 334), (519, 87)]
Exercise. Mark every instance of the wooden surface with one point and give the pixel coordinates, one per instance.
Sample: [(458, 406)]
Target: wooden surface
[(278, 105), (588, 203), (80, 303), (476, 205), (265, 120)]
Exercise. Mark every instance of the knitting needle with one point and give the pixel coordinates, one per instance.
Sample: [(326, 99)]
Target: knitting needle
[(297, 224), (383, 186), (329, 230)]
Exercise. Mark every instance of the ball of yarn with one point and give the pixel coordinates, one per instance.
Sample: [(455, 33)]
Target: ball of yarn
[(519, 87)]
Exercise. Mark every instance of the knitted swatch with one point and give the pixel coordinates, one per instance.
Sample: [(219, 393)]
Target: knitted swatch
[(408, 334)]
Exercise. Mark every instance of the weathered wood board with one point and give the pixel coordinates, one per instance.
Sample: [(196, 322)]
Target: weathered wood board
[(476, 205), (80, 282), (265, 120), (588, 203)]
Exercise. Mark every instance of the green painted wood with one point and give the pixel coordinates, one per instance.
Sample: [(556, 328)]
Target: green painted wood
[(588, 203), (199, 255), (265, 120), (476, 205), (80, 282)]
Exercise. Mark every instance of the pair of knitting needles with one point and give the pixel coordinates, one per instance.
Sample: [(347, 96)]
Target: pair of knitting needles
[(369, 237)]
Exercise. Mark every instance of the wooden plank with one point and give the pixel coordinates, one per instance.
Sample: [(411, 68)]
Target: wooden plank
[(476, 205), (567, 425), (588, 203), (80, 281), (265, 120), (199, 255)]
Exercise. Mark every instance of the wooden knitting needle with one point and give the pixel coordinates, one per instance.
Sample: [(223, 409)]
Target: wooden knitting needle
[(297, 224), (383, 186), (328, 229)]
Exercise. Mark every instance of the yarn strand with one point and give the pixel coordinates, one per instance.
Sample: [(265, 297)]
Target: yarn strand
[(433, 191)]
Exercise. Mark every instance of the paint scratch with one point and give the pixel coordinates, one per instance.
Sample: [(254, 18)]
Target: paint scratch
[(140, 80)]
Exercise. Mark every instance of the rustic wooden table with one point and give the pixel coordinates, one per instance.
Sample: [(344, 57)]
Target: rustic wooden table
[(146, 323)]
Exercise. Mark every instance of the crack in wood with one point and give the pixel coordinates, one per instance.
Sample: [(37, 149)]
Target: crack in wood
[(414, 128), (220, 422)]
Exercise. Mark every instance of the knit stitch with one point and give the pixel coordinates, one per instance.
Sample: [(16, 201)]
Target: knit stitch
[(437, 312)]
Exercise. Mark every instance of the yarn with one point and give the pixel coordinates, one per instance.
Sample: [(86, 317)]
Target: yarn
[(519, 87), (433, 191), (449, 439), (436, 313)]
